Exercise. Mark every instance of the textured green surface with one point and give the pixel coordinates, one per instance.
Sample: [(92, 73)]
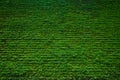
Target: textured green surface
[(59, 39)]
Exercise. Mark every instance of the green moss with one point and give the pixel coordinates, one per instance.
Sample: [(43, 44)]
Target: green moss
[(62, 42)]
